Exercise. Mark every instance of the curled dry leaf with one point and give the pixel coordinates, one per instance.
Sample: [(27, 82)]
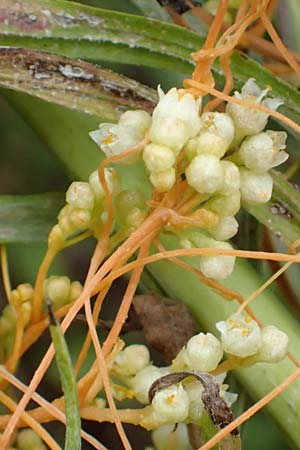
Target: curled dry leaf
[(217, 408)]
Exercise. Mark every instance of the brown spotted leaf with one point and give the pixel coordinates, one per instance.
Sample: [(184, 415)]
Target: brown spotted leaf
[(74, 84)]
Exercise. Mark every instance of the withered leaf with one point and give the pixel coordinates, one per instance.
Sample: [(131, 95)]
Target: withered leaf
[(167, 324)]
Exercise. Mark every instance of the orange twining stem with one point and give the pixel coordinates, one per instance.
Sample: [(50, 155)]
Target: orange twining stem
[(279, 44), (47, 406), (105, 378), (250, 412), (126, 302), (154, 222)]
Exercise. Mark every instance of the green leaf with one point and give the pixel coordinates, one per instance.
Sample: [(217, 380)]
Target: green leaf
[(28, 218), (151, 8), (282, 214), (80, 31), (75, 84), (68, 382)]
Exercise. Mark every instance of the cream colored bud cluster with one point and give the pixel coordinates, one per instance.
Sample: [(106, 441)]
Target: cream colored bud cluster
[(242, 337), (131, 210), (61, 290), (226, 159), (179, 402), (85, 206), (28, 440), (20, 300)]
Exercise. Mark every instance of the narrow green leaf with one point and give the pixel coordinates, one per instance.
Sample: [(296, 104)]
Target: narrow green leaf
[(151, 8), (28, 218), (75, 84), (68, 382)]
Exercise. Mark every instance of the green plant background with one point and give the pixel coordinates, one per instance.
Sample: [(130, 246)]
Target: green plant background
[(42, 150)]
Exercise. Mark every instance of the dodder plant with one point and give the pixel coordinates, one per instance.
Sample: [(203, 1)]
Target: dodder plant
[(198, 165)]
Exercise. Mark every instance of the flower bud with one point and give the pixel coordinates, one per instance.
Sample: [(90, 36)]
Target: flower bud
[(26, 309), (143, 380), (28, 440), (170, 132), (240, 336), (203, 352), (112, 180), (171, 404), (161, 437), (218, 267), (249, 121), (158, 158), (226, 228), (80, 195), (205, 142), (225, 205), (263, 151), (132, 360), (75, 290), (57, 289), (205, 174), (163, 181), (219, 124), (255, 187), (80, 218), (231, 178), (274, 345)]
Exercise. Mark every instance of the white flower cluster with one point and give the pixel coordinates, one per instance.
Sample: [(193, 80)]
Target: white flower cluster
[(226, 158), (179, 402), (242, 337), (85, 204)]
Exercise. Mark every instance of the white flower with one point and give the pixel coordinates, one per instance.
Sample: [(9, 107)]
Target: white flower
[(80, 195), (264, 150), (143, 380), (175, 119), (219, 267), (171, 404), (249, 121), (132, 359), (163, 181), (205, 174), (118, 138), (219, 124), (240, 336), (274, 345), (161, 437), (203, 352), (158, 158), (80, 218), (226, 228), (255, 187)]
